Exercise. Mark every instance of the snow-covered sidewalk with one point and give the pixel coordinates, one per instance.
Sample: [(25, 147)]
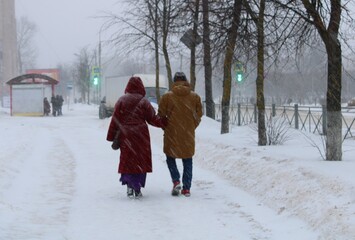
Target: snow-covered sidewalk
[(58, 180)]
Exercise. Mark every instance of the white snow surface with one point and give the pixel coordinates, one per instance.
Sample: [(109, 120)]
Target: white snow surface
[(58, 180)]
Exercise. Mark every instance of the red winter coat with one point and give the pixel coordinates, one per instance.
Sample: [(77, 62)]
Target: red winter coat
[(133, 112)]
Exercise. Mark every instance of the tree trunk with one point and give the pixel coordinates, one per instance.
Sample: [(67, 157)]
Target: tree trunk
[(329, 36), (167, 64), (210, 107), (227, 79), (260, 102), (193, 48), (156, 49), (166, 15), (157, 71), (334, 116)]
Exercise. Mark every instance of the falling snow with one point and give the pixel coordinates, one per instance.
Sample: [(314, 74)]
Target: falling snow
[(58, 180)]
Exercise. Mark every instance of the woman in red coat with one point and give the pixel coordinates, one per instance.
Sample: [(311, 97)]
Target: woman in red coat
[(131, 115)]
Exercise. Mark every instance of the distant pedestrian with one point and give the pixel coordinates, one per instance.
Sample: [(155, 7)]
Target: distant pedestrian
[(59, 100), (183, 109), (46, 107), (54, 105), (130, 117)]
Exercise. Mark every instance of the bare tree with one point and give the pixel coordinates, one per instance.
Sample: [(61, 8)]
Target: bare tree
[(146, 25), (193, 47), (210, 106), (82, 74), (330, 34), (228, 60), (260, 102), (166, 21), (27, 52), (154, 21), (324, 17)]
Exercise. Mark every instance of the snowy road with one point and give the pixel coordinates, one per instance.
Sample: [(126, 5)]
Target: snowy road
[(58, 180)]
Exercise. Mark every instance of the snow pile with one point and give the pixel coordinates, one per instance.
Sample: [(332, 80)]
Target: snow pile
[(291, 179)]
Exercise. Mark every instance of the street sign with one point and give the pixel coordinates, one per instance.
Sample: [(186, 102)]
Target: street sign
[(239, 67), (187, 39), (95, 70)]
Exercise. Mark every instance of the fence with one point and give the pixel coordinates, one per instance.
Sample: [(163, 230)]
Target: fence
[(309, 119)]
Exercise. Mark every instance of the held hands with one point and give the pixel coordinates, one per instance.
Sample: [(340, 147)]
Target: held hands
[(165, 122)]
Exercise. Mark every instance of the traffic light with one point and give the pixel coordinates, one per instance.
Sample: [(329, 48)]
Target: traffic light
[(239, 77), (96, 79), (239, 72), (95, 73)]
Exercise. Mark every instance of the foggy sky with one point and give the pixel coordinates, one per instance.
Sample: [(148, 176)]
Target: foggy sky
[(64, 26)]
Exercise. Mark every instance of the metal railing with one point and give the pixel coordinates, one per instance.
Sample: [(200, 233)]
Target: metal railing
[(309, 119)]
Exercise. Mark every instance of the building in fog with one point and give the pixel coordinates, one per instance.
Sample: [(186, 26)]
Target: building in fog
[(8, 48)]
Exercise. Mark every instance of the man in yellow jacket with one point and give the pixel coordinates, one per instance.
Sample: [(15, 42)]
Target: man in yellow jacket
[(183, 109)]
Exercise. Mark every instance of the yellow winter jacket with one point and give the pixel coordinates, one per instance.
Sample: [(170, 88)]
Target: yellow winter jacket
[(183, 109)]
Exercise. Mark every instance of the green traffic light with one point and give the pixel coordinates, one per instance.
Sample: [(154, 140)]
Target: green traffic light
[(96, 80), (239, 77)]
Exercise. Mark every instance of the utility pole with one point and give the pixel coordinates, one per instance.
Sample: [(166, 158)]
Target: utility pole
[(101, 75)]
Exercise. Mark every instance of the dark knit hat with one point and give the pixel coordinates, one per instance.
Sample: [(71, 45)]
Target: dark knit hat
[(180, 76)]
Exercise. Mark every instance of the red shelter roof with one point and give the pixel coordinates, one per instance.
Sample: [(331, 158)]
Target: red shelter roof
[(36, 78)]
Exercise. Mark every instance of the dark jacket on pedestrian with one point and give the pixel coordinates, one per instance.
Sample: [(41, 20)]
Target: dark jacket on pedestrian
[(46, 106), (183, 109), (131, 114)]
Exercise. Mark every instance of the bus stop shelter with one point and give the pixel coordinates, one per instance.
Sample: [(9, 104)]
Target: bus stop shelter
[(27, 93)]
